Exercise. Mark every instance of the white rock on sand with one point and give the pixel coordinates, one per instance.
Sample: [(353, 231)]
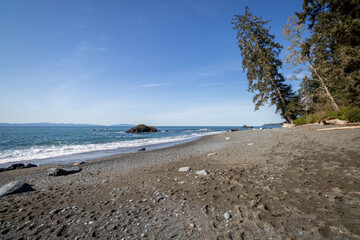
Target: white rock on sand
[(202, 172), (184, 169), (211, 154), (227, 215)]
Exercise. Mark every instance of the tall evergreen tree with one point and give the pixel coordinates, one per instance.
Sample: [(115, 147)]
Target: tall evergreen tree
[(335, 45), (260, 60), (293, 32)]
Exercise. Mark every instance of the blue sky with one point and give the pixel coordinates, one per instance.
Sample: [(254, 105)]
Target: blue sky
[(108, 62)]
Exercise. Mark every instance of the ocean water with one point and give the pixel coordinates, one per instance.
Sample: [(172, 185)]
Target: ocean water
[(62, 144)]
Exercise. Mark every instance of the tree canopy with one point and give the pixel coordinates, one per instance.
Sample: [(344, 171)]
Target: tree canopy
[(260, 60), (324, 41)]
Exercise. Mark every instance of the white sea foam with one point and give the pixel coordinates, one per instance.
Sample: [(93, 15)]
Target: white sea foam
[(41, 152), (204, 129)]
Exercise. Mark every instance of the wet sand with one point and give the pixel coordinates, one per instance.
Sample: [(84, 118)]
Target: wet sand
[(270, 184)]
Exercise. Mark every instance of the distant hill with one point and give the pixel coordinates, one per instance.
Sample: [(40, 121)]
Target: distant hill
[(122, 125), (46, 124)]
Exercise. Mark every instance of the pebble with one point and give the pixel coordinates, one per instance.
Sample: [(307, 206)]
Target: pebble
[(192, 225), (202, 172), (184, 169), (227, 215), (211, 154)]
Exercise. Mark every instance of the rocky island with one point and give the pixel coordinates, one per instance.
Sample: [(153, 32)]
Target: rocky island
[(142, 128)]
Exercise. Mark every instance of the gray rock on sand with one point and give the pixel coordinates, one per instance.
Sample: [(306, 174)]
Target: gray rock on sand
[(62, 171), (20, 166), (16, 166), (15, 187), (202, 172), (184, 169)]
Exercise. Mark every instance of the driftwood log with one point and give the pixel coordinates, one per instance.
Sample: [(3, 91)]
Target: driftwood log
[(337, 128), (332, 120)]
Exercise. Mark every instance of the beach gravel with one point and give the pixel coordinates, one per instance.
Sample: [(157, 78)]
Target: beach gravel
[(295, 183)]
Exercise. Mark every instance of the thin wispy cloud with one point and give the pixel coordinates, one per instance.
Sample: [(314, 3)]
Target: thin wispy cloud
[(209, 84), (153, 85), (206, 7)]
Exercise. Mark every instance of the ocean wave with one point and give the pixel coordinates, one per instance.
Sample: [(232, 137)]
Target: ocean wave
[(44, 152), (204, 129)]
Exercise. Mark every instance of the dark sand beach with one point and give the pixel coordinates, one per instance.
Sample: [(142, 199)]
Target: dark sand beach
[(294, 183)]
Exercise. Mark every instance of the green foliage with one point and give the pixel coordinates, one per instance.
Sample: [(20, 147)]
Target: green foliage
[(260, 60), (348, 114), (300, 121), (310, 118), (334, 45), (351, 114), (324, 41)]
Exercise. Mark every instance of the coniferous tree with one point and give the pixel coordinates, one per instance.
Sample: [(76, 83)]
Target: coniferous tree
[(260, 60), (335, 45), (293, 32)]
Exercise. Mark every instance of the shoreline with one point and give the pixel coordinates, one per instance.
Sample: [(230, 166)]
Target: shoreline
[(279, 183), (91, 155), (129, 160)]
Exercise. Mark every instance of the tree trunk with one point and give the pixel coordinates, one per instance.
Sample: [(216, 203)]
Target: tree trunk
[(325, 87), (282, 101)]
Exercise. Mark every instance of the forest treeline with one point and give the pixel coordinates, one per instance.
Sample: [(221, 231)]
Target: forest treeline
[(324, 53)]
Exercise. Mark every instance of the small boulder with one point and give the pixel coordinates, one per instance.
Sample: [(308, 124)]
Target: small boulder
[(16, 166), (142, 149), (15, 187), (62, 171), (184, 169), (202, 172), (30, 165)]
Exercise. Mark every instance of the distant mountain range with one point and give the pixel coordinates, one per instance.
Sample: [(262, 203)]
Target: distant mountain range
[(46, 124)]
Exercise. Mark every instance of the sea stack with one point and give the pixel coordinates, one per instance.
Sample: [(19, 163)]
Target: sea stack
[(142, 128)]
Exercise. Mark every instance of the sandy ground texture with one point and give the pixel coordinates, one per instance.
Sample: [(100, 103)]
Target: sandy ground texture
[(262, 184)]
